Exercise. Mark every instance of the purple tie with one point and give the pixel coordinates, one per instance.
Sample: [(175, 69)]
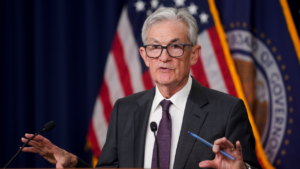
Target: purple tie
[(164, 138)]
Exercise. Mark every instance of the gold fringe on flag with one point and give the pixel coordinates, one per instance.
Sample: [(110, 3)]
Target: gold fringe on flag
[(291, 26)]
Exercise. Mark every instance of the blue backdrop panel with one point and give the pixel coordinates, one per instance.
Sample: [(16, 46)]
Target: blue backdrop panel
[(52, 60)]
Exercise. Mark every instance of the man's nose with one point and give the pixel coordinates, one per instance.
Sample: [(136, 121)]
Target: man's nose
[(164, 55)]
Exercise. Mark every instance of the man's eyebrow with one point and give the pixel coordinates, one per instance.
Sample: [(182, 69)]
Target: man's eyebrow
[(171, 41), (154, 40), (175, 40)]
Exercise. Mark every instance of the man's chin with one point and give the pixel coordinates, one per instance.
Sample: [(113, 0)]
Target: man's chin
[(165, 82)]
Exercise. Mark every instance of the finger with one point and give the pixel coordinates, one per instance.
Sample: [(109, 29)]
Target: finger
[(32, 143), (40, 140), (216, 148), (30, 150), (24, 140), (28, 136), (224, 143), (36, 138), (35, 144), (239, 151), (207, 164)]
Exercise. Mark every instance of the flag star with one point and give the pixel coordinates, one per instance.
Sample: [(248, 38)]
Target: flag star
[(149, 12), (161, 6), (203, 17), (140, 6), (154, 3), (193, 9), (179, 2)]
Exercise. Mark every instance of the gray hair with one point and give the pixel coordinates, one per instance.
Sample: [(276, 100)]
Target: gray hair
[(164, 14)]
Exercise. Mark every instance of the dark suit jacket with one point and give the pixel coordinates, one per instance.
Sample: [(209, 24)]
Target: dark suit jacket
[(208, 113)]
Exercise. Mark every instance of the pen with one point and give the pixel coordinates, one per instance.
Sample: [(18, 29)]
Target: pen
[(210, 145)]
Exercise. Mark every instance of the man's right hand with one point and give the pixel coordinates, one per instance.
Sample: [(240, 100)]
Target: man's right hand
[(52, 153)]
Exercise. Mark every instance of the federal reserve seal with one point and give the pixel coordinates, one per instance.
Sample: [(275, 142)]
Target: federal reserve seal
[(264, 87)]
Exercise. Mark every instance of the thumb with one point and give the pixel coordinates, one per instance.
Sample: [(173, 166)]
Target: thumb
[(59, 156), (58, 165), (207, 164)]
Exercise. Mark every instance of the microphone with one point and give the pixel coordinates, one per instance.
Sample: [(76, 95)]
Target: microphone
[(153, 127), (47, 127)]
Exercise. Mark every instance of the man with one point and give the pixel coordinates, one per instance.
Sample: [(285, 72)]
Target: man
[(170, 37)]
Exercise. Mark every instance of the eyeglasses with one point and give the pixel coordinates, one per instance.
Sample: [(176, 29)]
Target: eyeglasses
[(174, 50)]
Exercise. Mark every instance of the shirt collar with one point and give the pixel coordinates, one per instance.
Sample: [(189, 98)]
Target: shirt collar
[(178, 99)]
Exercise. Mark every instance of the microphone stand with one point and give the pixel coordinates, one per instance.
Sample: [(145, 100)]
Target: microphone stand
[(23, 147), (47, 127)]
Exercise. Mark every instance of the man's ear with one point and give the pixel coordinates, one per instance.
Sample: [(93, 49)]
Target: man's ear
[(144, 56), (196, 51)]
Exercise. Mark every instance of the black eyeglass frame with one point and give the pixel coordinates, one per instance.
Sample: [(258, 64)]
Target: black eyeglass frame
[(166, 47)]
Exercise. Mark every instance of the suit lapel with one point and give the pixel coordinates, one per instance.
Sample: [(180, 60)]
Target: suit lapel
[(193, 119), (141, 118)]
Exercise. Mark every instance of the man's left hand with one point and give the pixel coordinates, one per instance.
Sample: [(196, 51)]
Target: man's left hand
[(222, 161)]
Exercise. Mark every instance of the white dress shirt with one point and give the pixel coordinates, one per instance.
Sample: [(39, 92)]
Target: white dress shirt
[(176, 111)]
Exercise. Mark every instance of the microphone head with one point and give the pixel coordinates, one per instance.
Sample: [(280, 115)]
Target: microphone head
[(153, 126), (50, 125)]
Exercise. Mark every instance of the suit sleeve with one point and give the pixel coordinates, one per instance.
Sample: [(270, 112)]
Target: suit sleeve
[(82, 164), (239, 128), (109, 154)]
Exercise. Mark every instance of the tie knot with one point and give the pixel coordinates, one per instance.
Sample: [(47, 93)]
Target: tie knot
[(165, 104)]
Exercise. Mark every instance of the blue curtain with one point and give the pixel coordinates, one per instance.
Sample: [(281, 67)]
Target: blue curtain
[(52, 58)]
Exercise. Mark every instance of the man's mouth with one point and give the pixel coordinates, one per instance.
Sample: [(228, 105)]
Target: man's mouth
[(164, 69)]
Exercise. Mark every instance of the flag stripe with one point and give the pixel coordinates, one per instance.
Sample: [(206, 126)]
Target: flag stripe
[(112, 79), (100, 123), (93, 139), (210, 64), (130, 52), (215, 41), (148, 83), (121, 65), (104, 96), (198, 73)]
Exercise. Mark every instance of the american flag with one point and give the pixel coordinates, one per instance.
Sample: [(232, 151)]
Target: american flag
[(125, 72)]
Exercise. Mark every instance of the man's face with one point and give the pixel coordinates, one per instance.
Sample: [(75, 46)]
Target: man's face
[(166, 70)]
